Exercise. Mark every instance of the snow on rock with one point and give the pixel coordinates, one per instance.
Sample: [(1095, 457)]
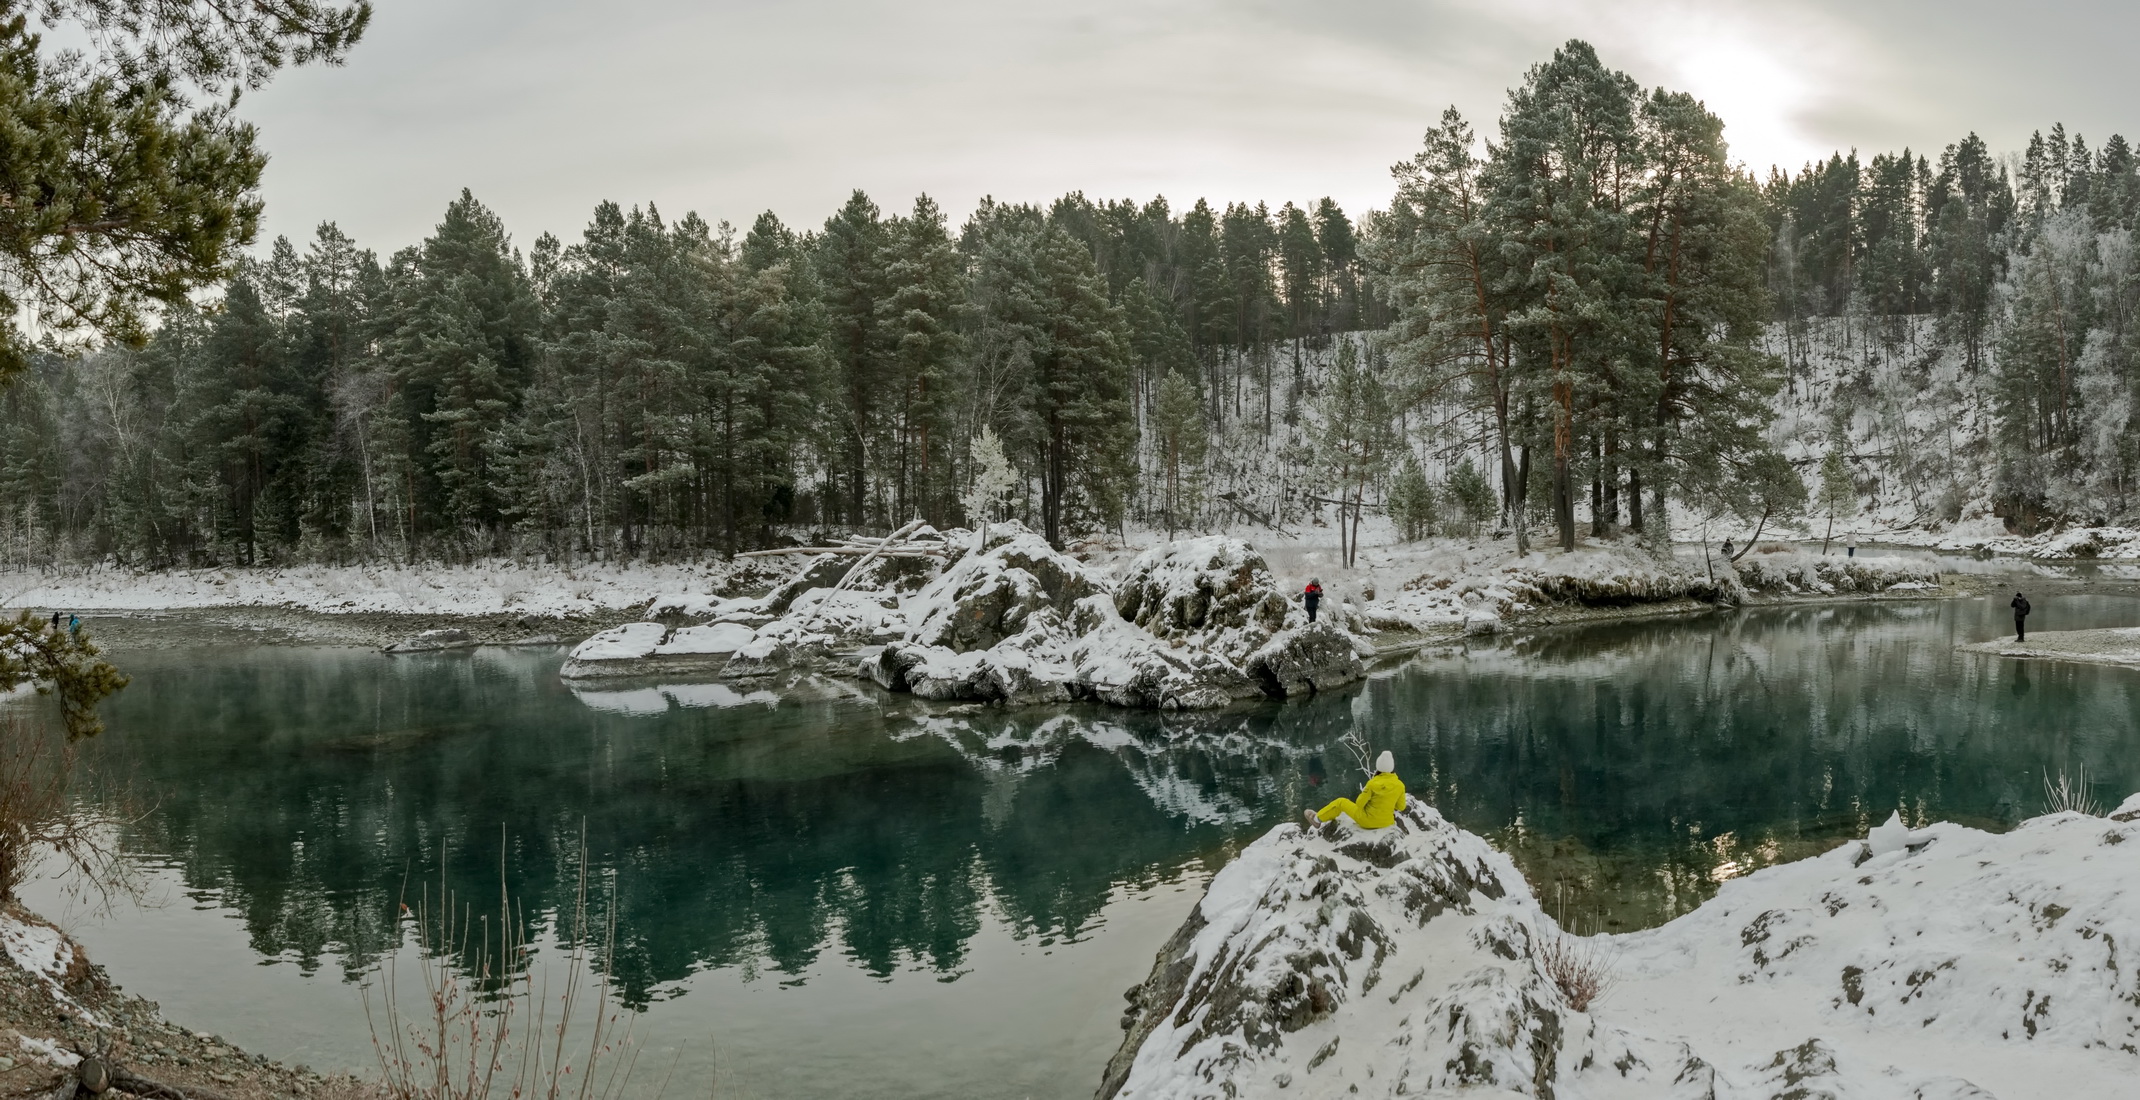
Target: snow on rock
[(718, 638), (2114, 646), (1305, 659), (1215, 591), (1795, 572), (37, 948), (983, 599), (1888, 836), (630, 641), (641, 649), (431, 641), (1415, 961), (1193, 625)]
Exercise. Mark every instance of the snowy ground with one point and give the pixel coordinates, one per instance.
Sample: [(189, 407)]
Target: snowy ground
[(485, 588), (2103, 647), (1941, 963)]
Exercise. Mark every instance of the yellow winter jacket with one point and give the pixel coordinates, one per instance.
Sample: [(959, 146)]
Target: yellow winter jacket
[(1379, 801)]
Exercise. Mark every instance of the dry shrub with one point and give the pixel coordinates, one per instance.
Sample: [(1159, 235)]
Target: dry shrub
[(39, 818), (1581, 968), (2069, 794), (490, 1022)]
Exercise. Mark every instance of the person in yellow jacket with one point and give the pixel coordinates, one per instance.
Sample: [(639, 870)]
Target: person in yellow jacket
[(1377, 805)]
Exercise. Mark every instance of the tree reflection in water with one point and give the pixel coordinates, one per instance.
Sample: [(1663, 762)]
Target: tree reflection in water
[(1630, 769)]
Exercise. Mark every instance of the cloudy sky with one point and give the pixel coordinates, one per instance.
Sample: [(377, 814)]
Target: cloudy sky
[(730, 107)]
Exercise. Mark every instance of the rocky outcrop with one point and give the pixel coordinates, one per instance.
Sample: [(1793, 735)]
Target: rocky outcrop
[(1796, 572), (1938, 962), (1196, 625), (983, 599), (1306, 660), (1214, 592)]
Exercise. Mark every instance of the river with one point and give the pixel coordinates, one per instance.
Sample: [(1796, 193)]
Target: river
[(856, 894)]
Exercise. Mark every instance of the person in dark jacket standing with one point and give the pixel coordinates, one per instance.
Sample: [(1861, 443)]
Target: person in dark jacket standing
[(1312, 596), (2021, 615)]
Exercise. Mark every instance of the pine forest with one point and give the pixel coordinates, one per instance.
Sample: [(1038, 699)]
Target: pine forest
[(1578, 320)]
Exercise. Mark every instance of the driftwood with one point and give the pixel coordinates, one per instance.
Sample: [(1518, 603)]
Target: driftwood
[(855, 570)]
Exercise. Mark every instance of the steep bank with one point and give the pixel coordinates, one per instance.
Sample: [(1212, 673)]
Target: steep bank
[(1936, 964), (55, 1005)]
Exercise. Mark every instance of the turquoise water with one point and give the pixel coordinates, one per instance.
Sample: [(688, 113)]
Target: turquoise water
[(855, 894)]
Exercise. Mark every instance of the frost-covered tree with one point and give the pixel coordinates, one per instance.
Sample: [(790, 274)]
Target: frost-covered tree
[(988, 486), (1354, 444)]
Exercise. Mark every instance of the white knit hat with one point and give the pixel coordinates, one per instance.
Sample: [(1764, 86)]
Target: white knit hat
[(1385, 762)]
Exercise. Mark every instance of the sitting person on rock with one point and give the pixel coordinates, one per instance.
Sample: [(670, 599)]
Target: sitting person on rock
[(1377, 805)]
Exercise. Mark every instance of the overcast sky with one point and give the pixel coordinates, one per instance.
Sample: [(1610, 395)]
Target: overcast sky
[(545, 107)]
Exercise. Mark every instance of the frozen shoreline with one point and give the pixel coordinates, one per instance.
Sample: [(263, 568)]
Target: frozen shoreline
[(2119, 646)]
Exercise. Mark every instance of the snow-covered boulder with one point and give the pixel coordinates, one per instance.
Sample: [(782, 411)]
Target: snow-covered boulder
[(1305, 660), (719, 638), (822, 571), (628, 642), (985, 598), (431, 641), (1215, 592), (1938, 962), (764, 656), (641, 649)]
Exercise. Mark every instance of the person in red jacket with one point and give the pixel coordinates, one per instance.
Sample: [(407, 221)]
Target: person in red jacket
[(1312, 596)]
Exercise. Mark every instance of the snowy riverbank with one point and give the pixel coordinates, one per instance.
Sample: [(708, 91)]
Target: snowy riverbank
[(1941, 963), (486, 588), (2120, 646)]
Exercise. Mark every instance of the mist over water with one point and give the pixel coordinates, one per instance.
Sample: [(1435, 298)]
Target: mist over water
[(858, 893)]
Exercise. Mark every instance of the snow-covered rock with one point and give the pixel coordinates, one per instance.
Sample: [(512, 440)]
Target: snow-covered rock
[(1305, 660), (1194, 625), (431, 641), (642, 649), (718, 638), (1414, 961), (1215, 592), (630, 641), (983, 599), (1799, 572)]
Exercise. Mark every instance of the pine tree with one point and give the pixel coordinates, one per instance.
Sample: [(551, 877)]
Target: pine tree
[(924, 280), (1353, 442), (1178, 432), (1557, 190), (1412, 503), (850, 267)]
